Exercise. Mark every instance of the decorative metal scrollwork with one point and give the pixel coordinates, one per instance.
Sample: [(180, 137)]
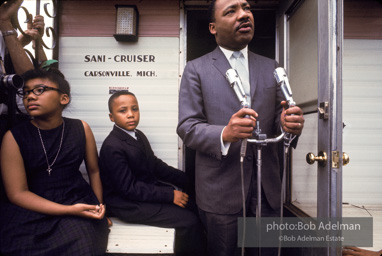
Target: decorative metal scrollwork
[(50, 32), (54, 9)]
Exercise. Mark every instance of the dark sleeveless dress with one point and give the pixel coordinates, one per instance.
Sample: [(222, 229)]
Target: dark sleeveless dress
[(24, 232)]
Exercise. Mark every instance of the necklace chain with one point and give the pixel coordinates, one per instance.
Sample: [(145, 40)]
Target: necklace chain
[(49, 169)]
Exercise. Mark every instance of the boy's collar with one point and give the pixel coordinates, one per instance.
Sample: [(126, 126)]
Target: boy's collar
[(131, 133)]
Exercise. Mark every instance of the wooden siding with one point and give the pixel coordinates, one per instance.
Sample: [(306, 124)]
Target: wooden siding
[(362, 19), (97, 18)]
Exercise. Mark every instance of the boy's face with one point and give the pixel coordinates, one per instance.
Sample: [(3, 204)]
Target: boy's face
[(125, 112)]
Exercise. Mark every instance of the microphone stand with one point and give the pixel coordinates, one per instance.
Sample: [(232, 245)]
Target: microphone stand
[(235, 82), (261, 141)]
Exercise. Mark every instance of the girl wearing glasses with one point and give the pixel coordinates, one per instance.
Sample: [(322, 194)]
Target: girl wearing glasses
[(51, 210)]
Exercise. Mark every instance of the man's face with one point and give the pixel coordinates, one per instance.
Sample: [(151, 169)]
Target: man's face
[(234, 25)]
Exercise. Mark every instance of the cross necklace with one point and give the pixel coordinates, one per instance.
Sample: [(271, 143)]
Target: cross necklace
[(49, 169)]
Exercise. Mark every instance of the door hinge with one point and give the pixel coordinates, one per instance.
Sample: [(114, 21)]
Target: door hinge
[(323, 110), (335, 159)]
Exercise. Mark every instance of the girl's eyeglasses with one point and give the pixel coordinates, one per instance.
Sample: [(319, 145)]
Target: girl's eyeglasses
[(37, 91)]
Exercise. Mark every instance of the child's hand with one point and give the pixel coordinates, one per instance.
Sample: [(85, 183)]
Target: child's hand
[(109, 222), (89, 211), (180, 198)]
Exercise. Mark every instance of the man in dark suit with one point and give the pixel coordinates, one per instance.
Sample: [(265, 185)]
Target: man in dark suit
[(136, 182), (212, 123)]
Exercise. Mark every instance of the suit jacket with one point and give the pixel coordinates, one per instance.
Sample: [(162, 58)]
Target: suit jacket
[(206, 104), (132, 175)]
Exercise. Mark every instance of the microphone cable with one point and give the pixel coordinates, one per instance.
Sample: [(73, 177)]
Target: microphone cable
[(242, 155), (288, 138)]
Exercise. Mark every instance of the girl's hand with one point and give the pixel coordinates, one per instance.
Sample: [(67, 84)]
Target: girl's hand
[(89, 211)]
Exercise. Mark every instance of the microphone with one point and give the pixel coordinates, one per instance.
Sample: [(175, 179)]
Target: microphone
[(283, 81), (235, 82)]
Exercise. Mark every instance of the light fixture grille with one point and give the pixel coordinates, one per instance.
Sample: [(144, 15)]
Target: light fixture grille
[(125, 21)]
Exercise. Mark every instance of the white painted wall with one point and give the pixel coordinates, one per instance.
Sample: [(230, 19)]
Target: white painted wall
[(157, 95), (362, 115)]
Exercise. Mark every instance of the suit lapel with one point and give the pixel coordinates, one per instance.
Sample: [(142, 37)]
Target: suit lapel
[(222, 65), (220, 61), (122, 135), (140, 141), (253, 74)]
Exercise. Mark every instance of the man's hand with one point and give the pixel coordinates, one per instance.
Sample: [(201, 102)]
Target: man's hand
[(240, 127), (39, 25), (180, 198), (34, 31), (355, 251), (292, 120), (7, 10)]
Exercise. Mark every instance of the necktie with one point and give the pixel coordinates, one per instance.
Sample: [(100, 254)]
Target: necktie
[(243, 73), (137, 136), (139, 140)]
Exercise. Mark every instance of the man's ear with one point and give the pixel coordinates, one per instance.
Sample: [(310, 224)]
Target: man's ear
[(212, 28), (111, 117), (64, 99)]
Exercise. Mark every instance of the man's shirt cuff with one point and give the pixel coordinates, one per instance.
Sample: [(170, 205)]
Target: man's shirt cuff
[(224, 145)]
